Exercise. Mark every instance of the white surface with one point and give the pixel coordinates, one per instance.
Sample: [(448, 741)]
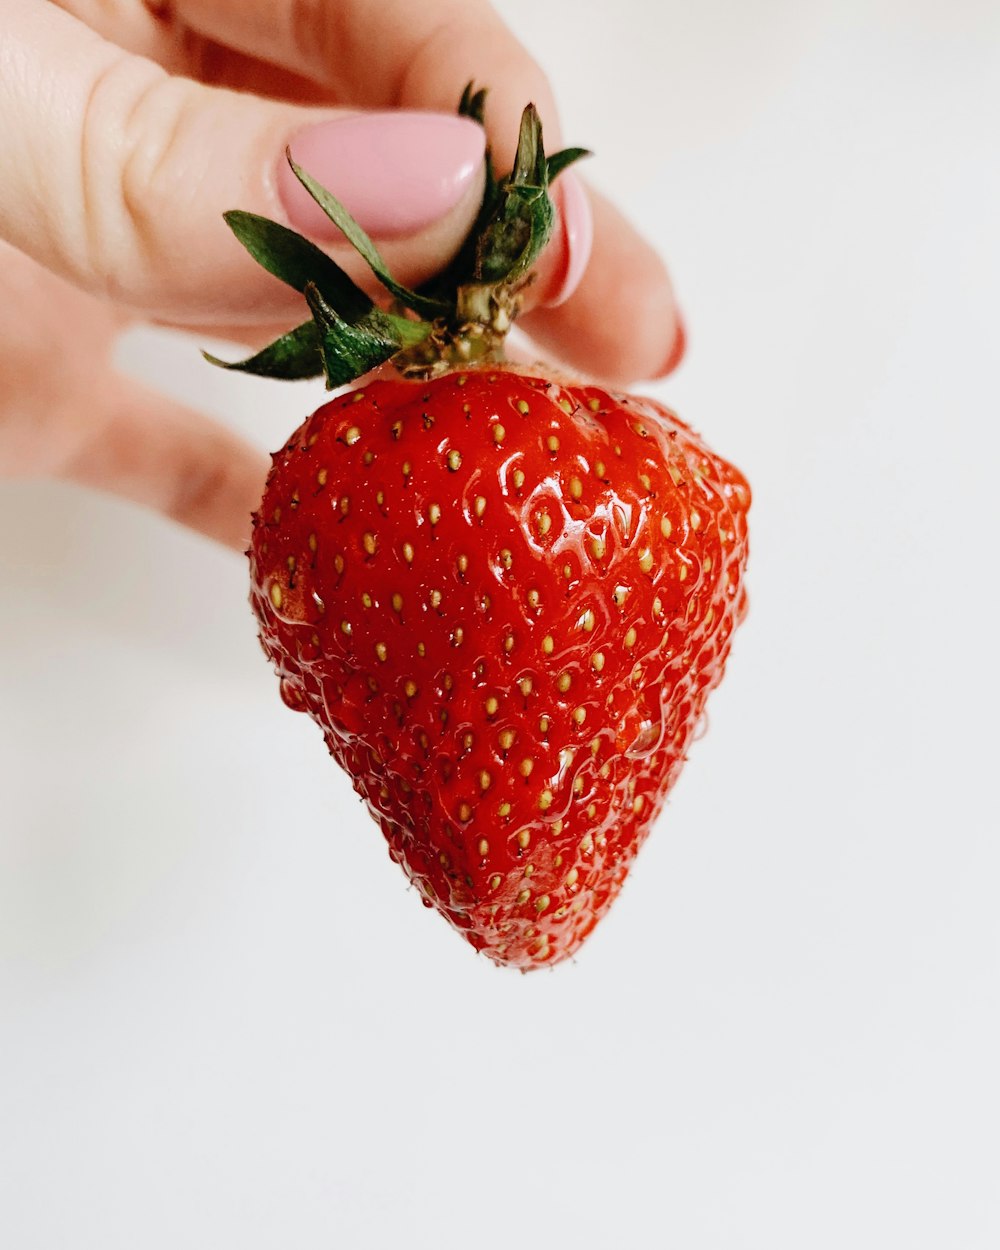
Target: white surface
[(225, 1022)]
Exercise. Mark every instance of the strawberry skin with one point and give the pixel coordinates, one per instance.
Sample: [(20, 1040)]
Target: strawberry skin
[(504, 599)]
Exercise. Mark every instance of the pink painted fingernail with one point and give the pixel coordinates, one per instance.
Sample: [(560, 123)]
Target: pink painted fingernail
[(395, 173), (577, 224)]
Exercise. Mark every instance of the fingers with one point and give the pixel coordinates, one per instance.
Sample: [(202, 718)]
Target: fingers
[(147, 30), (65, 413), (404, 56), (121, 173), (622, 321), (116, 176), (395, 54), (145, 447), (400, 55)]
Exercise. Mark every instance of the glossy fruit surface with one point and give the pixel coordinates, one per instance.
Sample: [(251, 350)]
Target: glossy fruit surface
[(504, 599)]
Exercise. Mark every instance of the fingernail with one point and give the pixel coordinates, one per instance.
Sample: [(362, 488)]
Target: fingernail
[(577, 223), (395, 173)]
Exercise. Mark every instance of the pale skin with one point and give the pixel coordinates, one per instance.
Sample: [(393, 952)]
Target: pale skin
[(128, 127)]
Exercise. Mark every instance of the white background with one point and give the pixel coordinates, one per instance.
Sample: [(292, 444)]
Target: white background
[(224, 1021)]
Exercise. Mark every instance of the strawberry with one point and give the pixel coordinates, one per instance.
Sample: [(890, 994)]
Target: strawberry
[(503, 595)]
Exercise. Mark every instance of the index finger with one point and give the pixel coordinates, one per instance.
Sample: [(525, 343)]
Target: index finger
[(396, 55)]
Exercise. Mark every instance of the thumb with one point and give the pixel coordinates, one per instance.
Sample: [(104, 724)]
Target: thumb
[(116, 176)]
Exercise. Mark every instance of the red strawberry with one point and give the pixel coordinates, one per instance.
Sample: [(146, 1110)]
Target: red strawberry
[(504, 598)]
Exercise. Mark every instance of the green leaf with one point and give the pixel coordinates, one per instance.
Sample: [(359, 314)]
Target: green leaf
[(462, 267), (540, 221), (529, 160), (350, 350), (554, 165), (363, 245), (294, 356), (297, 262), (407, 333), (349, 334), (513, 244), (517, 226), (473, 103)]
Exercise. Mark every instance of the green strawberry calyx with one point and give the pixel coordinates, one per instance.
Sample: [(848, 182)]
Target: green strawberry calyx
[(459, 316)]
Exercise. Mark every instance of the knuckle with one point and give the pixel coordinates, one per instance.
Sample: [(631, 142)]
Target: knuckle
[(215, 491), (197, 492), (320, 37), (509, 72), (422, 68), (127, 131)]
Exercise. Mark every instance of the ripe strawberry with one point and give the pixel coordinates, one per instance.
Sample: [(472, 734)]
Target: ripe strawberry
[(504, 596)]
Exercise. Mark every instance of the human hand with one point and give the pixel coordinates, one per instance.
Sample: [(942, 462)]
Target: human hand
[(128, 128)]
